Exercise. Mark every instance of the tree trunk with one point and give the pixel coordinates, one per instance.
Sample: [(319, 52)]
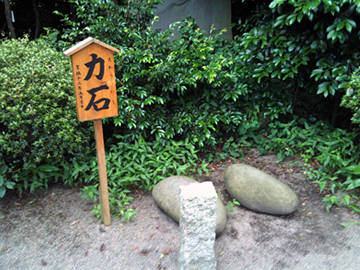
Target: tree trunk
[(37, 19), (9, 19)]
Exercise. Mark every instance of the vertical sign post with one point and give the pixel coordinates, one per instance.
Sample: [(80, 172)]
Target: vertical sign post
[(96, 98)]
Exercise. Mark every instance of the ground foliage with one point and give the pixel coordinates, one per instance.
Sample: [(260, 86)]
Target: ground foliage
[(134, 166)]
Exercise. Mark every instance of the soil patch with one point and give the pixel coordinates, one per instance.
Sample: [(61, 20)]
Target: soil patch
[(54, 229)]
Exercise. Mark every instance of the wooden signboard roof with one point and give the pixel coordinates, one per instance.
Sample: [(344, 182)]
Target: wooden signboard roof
[(86, 42)]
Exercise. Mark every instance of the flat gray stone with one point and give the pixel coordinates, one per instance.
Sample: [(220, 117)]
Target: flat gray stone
[(166, 195), (259, 191)]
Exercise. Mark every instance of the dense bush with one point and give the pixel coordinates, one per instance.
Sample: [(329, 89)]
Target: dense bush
[(352, 98), (289, 58), (193, 87), (38, 120), (185, 88), (309, 46), (113, 24)]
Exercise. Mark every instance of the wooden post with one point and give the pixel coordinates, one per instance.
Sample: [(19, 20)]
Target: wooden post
[(103, 187), (96, 98)]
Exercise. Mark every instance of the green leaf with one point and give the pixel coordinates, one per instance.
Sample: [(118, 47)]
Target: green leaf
[(280, 156), (327, 2), (9, 185), (355, 208), (2, 191), (322, 88), (292, 47), (342, 77), (300, 17), (4, 169), (322, 185), (279, 20), (274, 3), (340, 25), (354, 168), (331, 34), (291, 19), (316, 72), (48, 168), (346, 224), (350, 24), (354, 184)]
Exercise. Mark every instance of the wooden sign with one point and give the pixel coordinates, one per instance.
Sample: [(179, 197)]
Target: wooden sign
[(94, 79), (96, 98)]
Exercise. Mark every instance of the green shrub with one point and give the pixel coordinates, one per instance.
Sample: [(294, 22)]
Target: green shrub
[(308, 48), (193, 87), (185, 89), (113, 24), (38, 120), (352, 98)]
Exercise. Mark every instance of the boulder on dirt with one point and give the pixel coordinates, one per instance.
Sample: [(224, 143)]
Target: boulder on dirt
[(259, 191), (166, 195)]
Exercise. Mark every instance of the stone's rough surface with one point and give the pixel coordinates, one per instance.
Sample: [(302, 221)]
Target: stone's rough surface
[(166, 194), (197, 226), (259, 191), (205, 12)]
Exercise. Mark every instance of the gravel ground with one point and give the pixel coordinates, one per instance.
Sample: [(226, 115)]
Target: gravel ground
[(54, 229)]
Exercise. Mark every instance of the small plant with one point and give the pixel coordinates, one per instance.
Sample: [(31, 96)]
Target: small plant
[(97, 211), (230, 206), (330, 201), (232, 149), (90, 192), (5, 183), (128, 214)]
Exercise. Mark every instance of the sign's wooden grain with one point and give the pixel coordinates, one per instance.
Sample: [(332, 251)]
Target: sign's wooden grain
[(96, 98), (103, 186)]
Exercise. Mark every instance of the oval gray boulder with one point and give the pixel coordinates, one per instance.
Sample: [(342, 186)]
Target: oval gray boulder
[(259, 191), (166, 195)]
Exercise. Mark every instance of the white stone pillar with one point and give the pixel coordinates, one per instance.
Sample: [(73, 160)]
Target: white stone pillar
[(197, 226)]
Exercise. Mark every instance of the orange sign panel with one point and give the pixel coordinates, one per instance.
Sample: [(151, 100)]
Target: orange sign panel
[(94, 80)]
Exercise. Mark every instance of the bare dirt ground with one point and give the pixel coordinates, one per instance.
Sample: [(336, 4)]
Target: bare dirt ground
[(54, 229)]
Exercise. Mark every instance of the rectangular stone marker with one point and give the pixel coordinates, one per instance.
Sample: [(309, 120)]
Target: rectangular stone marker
[(197, 226)]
